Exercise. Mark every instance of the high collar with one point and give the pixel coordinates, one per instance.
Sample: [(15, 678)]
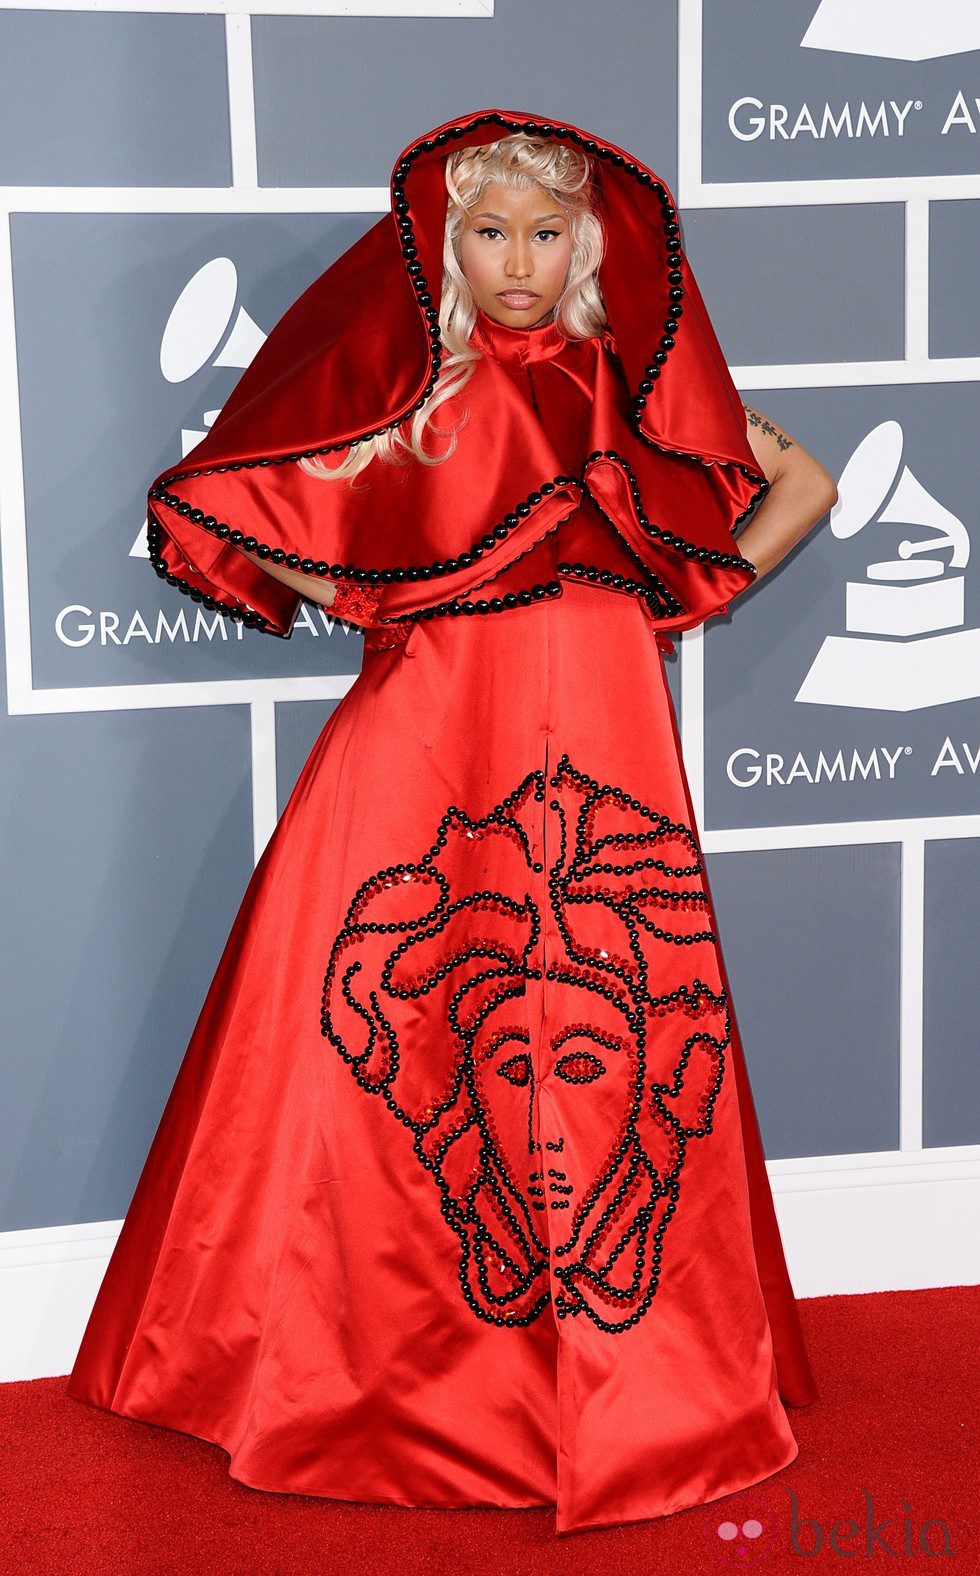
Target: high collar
[(508, 344)]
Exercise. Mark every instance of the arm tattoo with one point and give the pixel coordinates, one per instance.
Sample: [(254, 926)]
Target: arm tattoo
[(763, 422)]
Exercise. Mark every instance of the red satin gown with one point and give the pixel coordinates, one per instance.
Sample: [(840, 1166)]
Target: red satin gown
[(459, 1197)]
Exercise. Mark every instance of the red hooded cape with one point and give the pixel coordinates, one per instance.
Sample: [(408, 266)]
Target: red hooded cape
[(666, 458)]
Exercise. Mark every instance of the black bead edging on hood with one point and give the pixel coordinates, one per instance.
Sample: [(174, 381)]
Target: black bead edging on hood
[(401, 213)]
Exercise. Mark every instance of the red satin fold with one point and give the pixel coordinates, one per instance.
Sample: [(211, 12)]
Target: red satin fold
[(458, 1197), (642, 422)]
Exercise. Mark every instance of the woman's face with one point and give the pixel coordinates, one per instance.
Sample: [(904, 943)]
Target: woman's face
[(515, 250)]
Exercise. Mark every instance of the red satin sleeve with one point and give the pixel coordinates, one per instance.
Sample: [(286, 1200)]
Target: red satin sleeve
[(223, 579)]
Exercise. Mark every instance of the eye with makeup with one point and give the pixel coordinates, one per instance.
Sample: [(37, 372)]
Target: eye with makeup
[(491, 229)]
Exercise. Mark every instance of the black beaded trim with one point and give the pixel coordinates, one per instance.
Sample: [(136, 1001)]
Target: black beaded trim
[(401, 210), (659, 600), (402, 214), (645, 177), (494, 604), (499, 604), (238, 615), (674, 258), (698, 459), (619, 582), (669, 605), (431, 932), (412, 574), (704, 555)]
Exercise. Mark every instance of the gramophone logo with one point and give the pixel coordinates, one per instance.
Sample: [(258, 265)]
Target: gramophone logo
[(905, 647), (895, 29), (205, 325)]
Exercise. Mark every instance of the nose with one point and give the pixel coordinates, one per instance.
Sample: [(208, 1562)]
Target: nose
[(519, 264)]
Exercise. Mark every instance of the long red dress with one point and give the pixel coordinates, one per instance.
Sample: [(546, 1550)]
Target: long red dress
[(459, 1197)]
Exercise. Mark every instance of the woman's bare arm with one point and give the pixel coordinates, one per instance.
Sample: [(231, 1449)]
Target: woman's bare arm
[(313, 586), (800, 493)]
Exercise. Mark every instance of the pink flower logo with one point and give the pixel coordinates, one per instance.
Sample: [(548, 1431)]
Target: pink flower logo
[(741, 1528)]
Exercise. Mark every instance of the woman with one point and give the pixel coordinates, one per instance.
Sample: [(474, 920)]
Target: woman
[(459, 1197)]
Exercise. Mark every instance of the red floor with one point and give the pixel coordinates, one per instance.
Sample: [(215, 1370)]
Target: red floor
[(894, 1434)]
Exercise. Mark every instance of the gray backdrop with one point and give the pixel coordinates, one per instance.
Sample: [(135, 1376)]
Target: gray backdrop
[(145, 261)]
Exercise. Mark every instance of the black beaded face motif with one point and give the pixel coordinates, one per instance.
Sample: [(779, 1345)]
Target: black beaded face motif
[(538, 1001)]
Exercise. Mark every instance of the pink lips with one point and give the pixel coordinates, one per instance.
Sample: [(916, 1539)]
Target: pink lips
[(517, 298)]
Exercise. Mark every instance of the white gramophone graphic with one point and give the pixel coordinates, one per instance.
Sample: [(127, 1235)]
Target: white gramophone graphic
[(203, 320), (912, 607), (895, 29)]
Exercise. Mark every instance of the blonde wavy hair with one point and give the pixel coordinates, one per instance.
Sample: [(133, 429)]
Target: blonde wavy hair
[(519, 161)]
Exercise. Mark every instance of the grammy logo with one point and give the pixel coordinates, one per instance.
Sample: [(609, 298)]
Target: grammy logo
[(912, 607), (901, 30), (206, 325)]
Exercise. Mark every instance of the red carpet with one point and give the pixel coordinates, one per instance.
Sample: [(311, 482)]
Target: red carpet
[(894, 1433)]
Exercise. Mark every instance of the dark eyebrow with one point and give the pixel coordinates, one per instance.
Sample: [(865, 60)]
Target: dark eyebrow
[(501, 220)]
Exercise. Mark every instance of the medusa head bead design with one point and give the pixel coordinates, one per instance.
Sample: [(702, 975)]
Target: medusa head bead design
[(570, 1044)]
